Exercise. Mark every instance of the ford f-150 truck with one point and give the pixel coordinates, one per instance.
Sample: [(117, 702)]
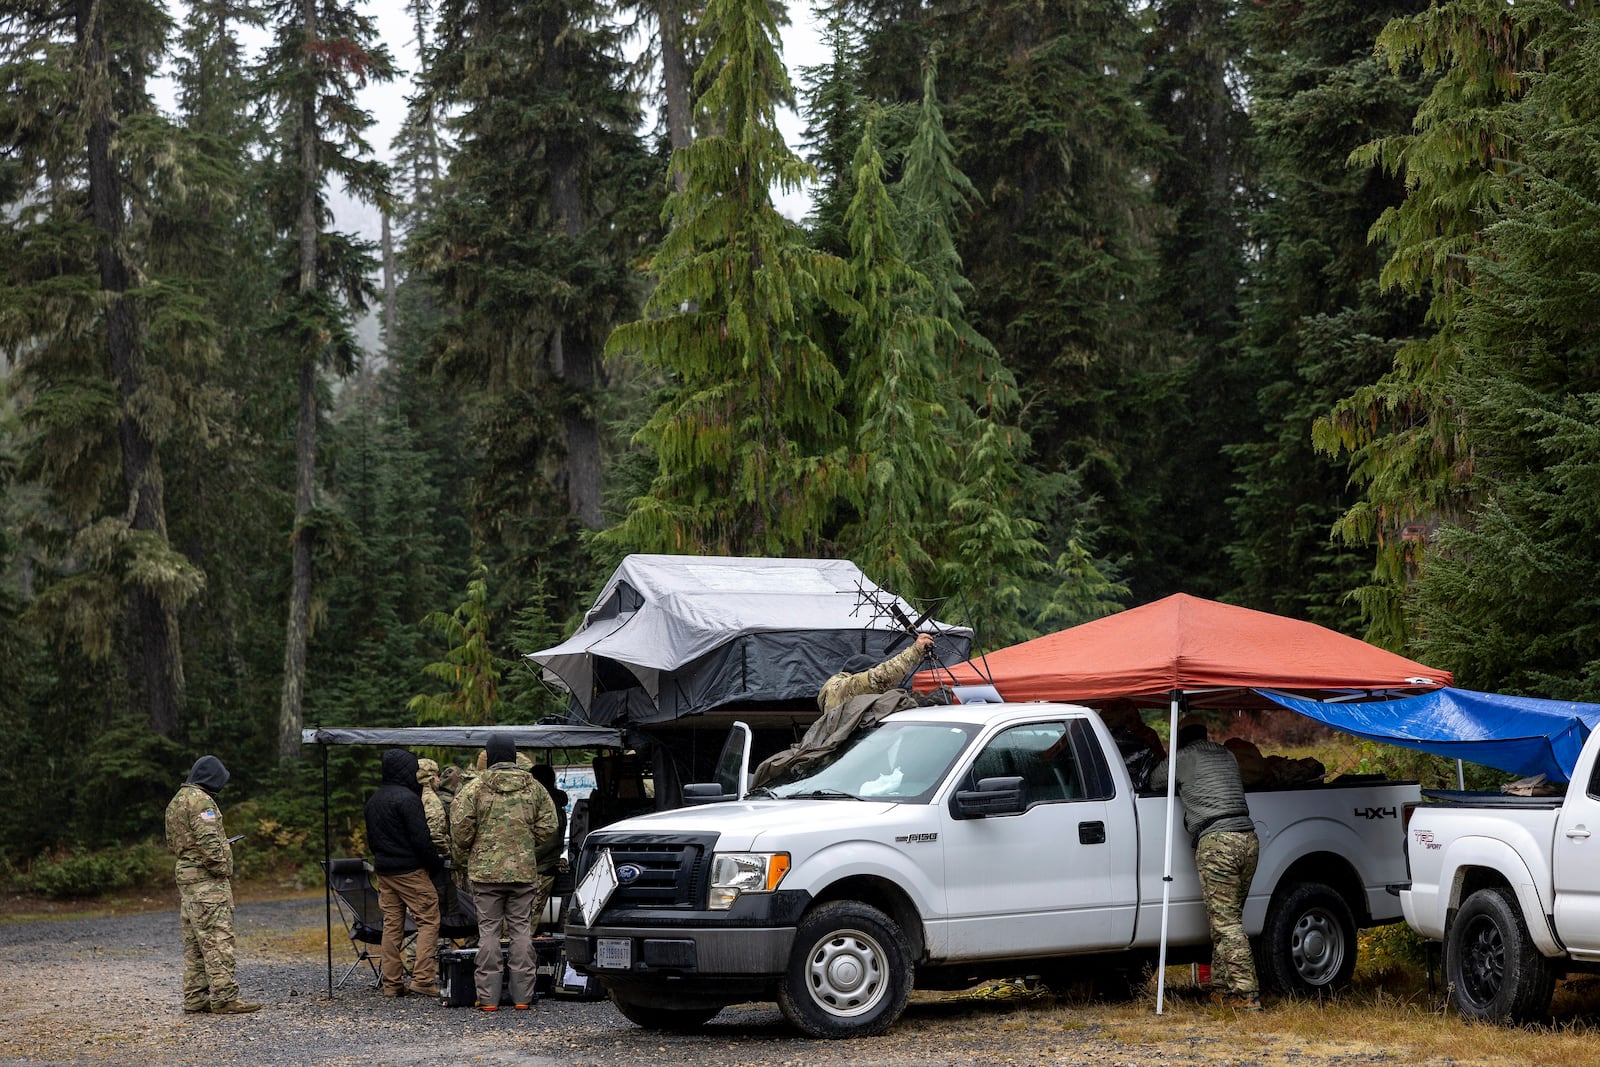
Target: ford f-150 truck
[(1511, 886), (950, 844)]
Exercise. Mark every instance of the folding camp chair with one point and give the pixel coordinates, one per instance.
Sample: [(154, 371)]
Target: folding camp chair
[(458, 915), (351, 883)]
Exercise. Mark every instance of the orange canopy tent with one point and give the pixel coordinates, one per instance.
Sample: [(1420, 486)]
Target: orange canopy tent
[(1212, 653), (1185, 651)]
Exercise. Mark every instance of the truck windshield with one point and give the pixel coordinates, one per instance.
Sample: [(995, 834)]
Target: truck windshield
[(893, 761)]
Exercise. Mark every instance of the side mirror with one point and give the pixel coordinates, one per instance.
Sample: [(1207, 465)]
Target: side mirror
[(705, 793), (994, 796)]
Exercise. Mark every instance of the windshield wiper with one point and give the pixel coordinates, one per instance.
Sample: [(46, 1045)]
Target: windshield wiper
[(761, 791), (824, 794)]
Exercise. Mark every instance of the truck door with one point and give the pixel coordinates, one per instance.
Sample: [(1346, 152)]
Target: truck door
[(1059, 875), (1575, 858)]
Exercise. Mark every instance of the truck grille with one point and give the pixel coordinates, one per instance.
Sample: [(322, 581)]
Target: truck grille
[(673, 872)]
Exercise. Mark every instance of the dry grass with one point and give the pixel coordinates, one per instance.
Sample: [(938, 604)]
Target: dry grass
[(1385, 1021)]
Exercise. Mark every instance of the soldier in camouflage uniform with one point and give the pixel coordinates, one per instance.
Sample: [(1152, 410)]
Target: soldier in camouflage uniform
[(433, 807), (204, 872), (860, 677), (497, 824), (1225, 854)]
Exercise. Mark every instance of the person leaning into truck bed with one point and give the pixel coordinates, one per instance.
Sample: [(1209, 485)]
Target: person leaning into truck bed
[(1226, 851), (859, 676)]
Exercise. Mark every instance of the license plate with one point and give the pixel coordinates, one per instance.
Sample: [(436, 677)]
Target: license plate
[(613, 953)]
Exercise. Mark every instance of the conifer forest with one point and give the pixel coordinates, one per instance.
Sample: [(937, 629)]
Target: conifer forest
[(1292, 305)]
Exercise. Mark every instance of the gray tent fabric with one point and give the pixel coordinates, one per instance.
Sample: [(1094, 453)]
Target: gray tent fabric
[(671, 636), (832, 730), (530, 737)]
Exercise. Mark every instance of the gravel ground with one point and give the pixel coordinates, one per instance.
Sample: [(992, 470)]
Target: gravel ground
[(106, 990)]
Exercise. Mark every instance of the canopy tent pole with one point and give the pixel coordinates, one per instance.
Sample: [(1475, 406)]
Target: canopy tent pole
[(1166, 867), (327, 859), (1461, 776)]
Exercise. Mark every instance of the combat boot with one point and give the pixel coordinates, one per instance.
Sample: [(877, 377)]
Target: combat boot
[(235, 1007)]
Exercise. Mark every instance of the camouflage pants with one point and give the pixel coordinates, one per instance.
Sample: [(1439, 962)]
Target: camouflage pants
[(1226, 862), (205, 911)]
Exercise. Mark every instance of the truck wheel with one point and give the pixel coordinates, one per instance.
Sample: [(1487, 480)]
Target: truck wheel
[(849, 974), (1494, 970), (1308, 945), (652, 1017)]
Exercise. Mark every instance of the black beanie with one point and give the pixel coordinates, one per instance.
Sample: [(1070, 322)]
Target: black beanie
[(500, 749)]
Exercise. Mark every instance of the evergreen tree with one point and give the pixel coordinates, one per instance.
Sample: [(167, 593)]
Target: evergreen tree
[(750, 444), (1181, 411), (1507, 598), (528, 250), (469, 670), (107, 336), (1401, 433), (1315, 325), (323, 51)]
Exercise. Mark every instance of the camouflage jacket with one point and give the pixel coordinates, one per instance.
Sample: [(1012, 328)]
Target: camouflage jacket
[(497, 823), (844, 685), (438, 820), (195, 835)]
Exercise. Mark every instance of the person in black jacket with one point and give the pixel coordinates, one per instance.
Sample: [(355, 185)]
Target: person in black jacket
[(405, 860)]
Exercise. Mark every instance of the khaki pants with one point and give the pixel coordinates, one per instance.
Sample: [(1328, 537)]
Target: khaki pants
[(511, 903), (398, 894)]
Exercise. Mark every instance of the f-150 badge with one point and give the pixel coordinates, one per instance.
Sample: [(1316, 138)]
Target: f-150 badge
[(915, 839)]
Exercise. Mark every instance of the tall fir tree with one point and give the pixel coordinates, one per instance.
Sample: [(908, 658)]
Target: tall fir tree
[(1315, 323), (107, 334), (528, 249), (322, 52), (750, 446), (1401, 433), (1507, 598)]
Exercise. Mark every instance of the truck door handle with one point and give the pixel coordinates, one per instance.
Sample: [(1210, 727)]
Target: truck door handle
[(1577, 833), (1091, 833)]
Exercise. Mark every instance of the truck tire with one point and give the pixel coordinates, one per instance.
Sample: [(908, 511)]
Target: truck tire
[(1308, 945), (1494, 970), (653, 1017), (849, 975)]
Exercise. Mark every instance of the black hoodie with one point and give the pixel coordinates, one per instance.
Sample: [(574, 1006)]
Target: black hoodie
[(209, 774), (397, 828)]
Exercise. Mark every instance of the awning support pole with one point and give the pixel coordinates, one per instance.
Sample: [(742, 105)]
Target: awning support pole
[(327, 860), (1166, 867)]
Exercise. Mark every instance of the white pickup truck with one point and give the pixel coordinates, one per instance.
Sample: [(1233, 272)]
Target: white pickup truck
[(951, 844), (1511, 885)]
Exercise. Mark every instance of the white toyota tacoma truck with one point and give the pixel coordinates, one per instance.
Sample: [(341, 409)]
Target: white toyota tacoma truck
[(951, 844), (1511, 886)]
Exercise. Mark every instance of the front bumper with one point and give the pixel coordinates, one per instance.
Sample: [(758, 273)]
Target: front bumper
[(753, 939)]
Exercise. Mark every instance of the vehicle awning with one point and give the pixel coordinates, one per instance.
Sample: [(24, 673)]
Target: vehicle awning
[(556, 736)]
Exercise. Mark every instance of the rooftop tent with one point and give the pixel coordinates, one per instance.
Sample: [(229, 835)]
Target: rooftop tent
[(1215, 654), (1521, 735), (671, 636)]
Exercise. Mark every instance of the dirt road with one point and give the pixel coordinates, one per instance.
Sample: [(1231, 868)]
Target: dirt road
[(106, 990)]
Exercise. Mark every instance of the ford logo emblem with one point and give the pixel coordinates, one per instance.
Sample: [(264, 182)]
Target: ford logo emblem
[(627, 874)]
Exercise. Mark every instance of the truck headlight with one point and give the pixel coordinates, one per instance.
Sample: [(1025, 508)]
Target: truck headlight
[(733, 873)]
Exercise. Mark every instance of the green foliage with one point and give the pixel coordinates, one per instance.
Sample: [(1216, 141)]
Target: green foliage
[(79, 872), (470, 670), (1506, 598), (749, 442)]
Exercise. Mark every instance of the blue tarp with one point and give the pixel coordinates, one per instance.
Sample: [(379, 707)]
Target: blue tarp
[(1521, 735)]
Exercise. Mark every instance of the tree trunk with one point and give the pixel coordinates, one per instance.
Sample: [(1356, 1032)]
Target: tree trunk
[(291, 713), (573, 350), (677, 83), (389, 284), (160, 655)]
